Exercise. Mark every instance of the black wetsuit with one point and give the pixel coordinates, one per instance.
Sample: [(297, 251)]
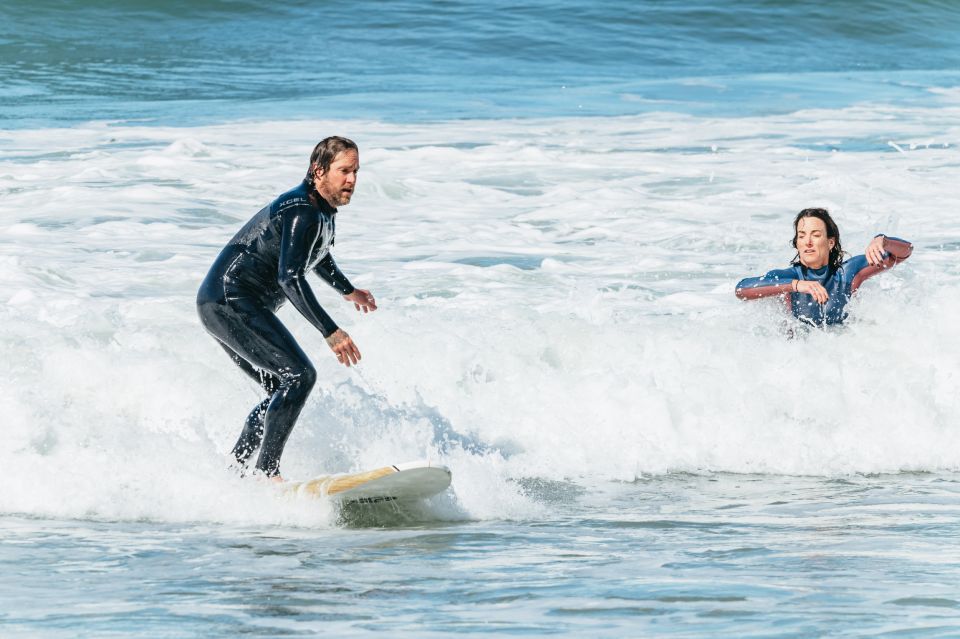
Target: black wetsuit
[(264, 265)]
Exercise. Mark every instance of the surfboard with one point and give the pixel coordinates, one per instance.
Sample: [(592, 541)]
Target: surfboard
[(400, 482)]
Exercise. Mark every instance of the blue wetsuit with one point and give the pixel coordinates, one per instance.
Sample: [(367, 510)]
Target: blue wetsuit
[(840, 284), (263, 266)]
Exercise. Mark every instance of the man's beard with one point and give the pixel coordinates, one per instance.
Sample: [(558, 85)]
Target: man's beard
[(335, 198), (342, 198)]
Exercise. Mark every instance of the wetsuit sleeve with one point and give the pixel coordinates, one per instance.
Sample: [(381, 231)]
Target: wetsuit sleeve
[(300, 230), (777, 282), (895, 251), (328, 270)]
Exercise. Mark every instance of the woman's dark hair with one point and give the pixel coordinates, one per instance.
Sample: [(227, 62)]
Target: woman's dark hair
[(836, 253), (325, 152)]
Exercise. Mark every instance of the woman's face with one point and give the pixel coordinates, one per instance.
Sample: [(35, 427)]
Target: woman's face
[(813, 245)]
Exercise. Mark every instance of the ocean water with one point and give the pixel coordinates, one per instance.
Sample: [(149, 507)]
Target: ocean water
[(554, 205)]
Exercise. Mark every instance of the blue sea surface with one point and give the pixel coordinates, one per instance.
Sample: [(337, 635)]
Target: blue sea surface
[(185, 62)]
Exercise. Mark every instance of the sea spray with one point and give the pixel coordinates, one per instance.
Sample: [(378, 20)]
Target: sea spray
[(556, 305)]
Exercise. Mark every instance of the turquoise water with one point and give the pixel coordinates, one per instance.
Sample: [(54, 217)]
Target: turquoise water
[(177, 62), (555, 203)]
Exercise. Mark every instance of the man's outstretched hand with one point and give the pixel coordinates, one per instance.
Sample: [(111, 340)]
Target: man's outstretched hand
[(343, 347), (362, 299)]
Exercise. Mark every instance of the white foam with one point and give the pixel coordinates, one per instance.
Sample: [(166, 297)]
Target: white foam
[(556, 303)]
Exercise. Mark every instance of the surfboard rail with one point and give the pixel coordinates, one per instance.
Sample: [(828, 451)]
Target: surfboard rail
[(399, 482)]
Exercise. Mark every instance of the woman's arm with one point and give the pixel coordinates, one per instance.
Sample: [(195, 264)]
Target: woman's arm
[(882, 253), (779, 282)]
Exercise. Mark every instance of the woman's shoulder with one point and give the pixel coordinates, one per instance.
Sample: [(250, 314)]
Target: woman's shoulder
[(854, 264), (792, 272)]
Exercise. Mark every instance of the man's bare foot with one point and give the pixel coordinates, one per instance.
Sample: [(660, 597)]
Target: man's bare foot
[(274, 479)]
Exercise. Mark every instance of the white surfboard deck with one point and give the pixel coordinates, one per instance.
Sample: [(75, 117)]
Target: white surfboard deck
[(401, 482)]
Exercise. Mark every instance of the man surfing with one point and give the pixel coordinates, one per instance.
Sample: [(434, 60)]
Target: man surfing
[(263, 266)]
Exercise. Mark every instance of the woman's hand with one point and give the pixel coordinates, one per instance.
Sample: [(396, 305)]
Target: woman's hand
[(874, 252), (346, 351), (811, 288), (362, 299)]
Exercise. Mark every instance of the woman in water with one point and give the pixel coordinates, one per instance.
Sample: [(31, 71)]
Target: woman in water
[(818, 284)]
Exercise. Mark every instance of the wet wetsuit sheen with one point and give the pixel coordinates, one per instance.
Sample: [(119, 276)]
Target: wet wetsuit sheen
[(840, 284), (263, 266)]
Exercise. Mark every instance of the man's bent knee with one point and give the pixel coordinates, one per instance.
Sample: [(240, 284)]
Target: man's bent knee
[(303, 378), (308, 378)]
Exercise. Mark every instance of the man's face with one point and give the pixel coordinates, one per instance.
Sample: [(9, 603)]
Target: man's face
[(813, 245), (336, 184)]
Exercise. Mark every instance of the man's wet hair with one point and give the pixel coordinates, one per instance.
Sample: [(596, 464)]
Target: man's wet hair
[(326, 151)]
